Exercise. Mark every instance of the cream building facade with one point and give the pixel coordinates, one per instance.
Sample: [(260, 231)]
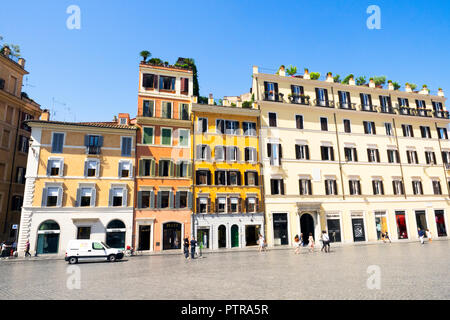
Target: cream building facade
[(357, 161)]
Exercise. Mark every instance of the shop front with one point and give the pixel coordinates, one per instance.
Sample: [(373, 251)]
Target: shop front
[(280, 229), (440, 223), (381, 225), (402, 230), (334, 227), (421, 220), (358, 227)]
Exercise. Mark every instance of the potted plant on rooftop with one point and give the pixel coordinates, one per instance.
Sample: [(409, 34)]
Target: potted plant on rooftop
[(145, 54), (315, 75)]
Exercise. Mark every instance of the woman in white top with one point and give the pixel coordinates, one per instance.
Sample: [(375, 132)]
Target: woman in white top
[(428, 233), (297, 244), (311, 242), (261, 243)]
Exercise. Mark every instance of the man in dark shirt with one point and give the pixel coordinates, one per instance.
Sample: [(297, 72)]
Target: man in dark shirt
[(186, 248), (193, 244)]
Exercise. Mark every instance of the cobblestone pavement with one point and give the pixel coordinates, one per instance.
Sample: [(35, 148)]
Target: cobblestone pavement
[(408, 271)]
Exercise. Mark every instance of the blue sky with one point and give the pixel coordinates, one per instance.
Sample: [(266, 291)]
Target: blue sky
[(94, 70)]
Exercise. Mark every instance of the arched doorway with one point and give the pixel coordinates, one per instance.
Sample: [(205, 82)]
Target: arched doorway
[(222, 238), (306, 226), (115, 234), (171, 235), (234, 236), (48, 237)]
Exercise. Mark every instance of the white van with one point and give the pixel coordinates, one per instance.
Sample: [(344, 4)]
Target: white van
[(91, 250)]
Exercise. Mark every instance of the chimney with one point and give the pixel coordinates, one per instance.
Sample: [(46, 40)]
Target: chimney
[(45, 115), (226, 103), (408, 87), (371, 83), (329, 77), (440, 92), (424, 90), (124, 119), (255, 69), (281, 71), (211, 99), (6, 51), (351, 81), (390, 85), (21, 62), (306, 74)]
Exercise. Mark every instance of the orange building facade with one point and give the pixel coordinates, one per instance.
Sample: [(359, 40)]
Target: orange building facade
[(164, 158)]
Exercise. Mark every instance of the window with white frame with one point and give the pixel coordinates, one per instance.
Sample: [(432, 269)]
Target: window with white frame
[(249, 128), (412, 156), (373, 155), (250, 154), (219, 153), (55, 167), (354, 186), (251, 205), (436, 187), (57, 142), (301, 152), (166, 136), (430, 157), (305, 187), (417, 187), (221, 204), (330, 187), (202, 125), (125, 169), (118, 197), (126, 146), (52, 196), (377, 186), (183, 137), (234, 205), (232, 153), (388, 127), (91, 168), (231, 127), (397, 186), (166, 109), (86, 196)]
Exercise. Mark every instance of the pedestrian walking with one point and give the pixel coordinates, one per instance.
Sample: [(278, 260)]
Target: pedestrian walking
[(311, 242), (297, 244), (27, 249), (186, 248), (421, 235), (428, 232), (386, 236), (193, 245), (302, 241), (262, 243), (325, 241)]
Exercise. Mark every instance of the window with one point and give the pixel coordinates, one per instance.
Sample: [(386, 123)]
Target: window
[(20, 175), (85, 197), (412, 156), (231, 127), (351, 154), (148, 136), (149, 81), (234, 178), (221, 178), (9, 114), (250, 154), (276, 186), (369, 127), (117, 196), (347, 126), (330, 187), (393, 156), (437, 187), (125, 169), (251, 178), (2, 173), (327, 153), (425, 132), (183, 169), (166, 137), (234, 205), (299, 121), (251, 205), (123, 121), (301, 152), (52, 195), (202, 125), (184, 111), (437, 106), (166, 83), (377, 186), (25, 117), (165, 168), (442, 133), (221, 205), (219, 153), (6, 138), (274, 152), (403, 102), (148, 108), (126, 146), (305, 187), (146, 199), (366, 101), (407, 130), (203, 177), (388, 127), (324, 124), (322, 97), (417, 187), (397, 186), (166, 110), (24, 144), (91, 168), (164, 199), (93, 143), (220, 126), (430, 157), (249, 128), (385, 102), (203, 152), (184, 85), (373, 155), (355, 187), (55, 167), (446, 157), (344, 99), (183, 137), (420, 104), (203, 205), (147, 167), (271, 91), (16, 203), (272, 119), (57, 142)]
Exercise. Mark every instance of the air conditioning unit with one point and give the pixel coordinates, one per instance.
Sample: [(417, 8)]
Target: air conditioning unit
[(2, 83)]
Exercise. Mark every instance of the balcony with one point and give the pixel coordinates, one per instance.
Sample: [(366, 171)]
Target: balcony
[(299, 99), (271, 96), (406, 111), (347, 106), (441, 114), (423, 112), (387, 109), (93, 150), (324, 103), (368, 108)]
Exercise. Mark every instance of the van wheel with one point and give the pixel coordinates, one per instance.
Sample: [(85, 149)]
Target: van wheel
[(112, 258), (73, 260)]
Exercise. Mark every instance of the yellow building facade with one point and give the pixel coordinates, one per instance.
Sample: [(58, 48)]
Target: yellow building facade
[(80, 184), (355, 161), (228, 210)]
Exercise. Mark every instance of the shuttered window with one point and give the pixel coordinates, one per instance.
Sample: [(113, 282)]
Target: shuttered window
[(166, 137), (126, 146), (57, 142)]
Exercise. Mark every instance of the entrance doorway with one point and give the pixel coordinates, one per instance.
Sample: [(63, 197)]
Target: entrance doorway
[(252, 234), (144, 238), (440, 223), (280, 227), (402, 231), (234, 236), (203, 238), (222, 236), (48, 237), (358, 229), (171, 236), (115, 234), (306, 227), (421, 220), (334, 230), (380, 223)]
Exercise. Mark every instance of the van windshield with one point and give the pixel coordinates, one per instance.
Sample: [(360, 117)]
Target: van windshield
[(106, 246)]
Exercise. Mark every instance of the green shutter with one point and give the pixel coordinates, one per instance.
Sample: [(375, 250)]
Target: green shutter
[(171, 168), (141, 167), (148, 136), (166, 137)]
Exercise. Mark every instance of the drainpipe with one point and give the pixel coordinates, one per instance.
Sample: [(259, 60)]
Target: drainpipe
[(193, 175), (443, 164), (338, 148), (399, 157), (136, 163)]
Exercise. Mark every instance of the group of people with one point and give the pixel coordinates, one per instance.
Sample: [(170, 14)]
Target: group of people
[(7, 249), (300, 243), (192, 244), (422, 234)]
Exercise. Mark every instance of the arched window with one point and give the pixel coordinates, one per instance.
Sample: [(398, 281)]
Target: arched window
[(115, 234), (48, 237)]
